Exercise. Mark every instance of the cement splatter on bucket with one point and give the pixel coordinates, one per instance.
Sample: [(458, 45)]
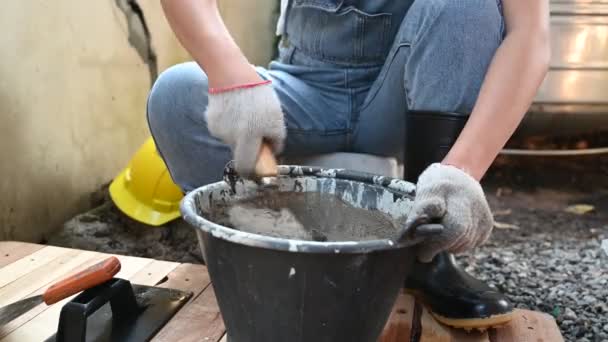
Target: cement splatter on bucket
[(278, 289)]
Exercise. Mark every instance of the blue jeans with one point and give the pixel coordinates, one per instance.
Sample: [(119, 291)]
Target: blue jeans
[(334, 100)]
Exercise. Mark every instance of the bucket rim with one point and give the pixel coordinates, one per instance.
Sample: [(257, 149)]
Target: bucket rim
[(402, 187)]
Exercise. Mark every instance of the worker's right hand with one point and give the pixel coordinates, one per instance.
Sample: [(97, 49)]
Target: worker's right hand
[(242, 117)]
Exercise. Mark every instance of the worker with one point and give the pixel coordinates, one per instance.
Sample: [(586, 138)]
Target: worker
[(348, 75)]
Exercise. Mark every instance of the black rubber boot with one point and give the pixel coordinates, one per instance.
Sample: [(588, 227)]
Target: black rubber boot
[(452, 295)]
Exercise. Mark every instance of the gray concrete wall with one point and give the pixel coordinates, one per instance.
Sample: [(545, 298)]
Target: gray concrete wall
[(253, 25), (74, 77)]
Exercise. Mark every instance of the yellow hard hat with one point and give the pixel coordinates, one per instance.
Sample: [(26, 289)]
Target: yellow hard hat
[(144, 190)]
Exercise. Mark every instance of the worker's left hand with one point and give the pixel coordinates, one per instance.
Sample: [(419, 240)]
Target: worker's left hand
[(449, 196)]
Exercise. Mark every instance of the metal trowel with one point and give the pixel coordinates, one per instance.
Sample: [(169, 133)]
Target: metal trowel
[(88, 278), (108, 309), (118, 311)]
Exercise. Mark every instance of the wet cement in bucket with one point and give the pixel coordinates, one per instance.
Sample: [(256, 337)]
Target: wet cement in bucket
[(309, 216)]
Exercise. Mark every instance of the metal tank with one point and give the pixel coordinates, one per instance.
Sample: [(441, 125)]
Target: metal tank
[(574, 95)]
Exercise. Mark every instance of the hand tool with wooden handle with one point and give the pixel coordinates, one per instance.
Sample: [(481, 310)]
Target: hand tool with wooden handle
[(90, 277)]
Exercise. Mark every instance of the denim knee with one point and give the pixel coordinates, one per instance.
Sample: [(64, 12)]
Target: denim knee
[(178, 97), (450, 46), (176, 107), (469, 19)]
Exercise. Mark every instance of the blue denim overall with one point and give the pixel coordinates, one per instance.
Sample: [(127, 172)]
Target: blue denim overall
[(346, 74)]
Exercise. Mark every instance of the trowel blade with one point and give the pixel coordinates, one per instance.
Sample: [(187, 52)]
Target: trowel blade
[(14, 310), (158, 304)]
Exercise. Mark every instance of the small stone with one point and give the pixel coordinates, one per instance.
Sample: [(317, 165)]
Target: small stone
[(589, 299), (605, 328), (569, 314), (567, 322)]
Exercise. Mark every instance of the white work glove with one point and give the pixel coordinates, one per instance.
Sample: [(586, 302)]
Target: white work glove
[(242, 117), (448, 196)]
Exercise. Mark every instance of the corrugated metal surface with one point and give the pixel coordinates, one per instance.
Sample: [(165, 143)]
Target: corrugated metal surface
[(579, 63)]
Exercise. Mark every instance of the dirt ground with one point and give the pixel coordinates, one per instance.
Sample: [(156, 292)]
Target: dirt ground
[(545, 254)]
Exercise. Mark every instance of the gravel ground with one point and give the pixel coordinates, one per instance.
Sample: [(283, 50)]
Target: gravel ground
[(543, 257), (553, 263)]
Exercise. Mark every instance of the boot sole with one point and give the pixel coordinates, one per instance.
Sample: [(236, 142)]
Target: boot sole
[(481, 323)]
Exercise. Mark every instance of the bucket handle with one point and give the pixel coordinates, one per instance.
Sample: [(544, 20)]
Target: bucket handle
[(421, 228)]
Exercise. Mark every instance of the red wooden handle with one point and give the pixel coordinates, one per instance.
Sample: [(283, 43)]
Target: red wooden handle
[(92, 276)]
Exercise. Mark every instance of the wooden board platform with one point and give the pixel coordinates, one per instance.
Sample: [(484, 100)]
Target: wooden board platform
[(409, 318), (28, 269)]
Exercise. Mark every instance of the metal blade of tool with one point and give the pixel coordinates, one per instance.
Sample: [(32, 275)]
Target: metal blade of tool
[(157, 305), (14, 310)]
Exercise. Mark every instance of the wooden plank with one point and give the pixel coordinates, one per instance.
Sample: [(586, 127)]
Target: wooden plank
[(43, 276), (8, 245), (431, 330), (398, 328), (528, 326), (23, 266), (198, 321), (129, 265), (459, 335), (11, 251), (154, 272), (44, 324), (186, 277)]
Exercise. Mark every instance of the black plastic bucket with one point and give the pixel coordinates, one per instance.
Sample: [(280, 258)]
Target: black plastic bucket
[(279, 290)]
